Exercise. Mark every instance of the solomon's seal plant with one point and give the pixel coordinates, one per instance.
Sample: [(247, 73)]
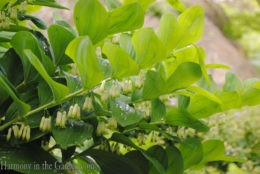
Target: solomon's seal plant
[(110, 96)]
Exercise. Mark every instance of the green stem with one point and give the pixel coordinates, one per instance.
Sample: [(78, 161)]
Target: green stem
[(46, 106)]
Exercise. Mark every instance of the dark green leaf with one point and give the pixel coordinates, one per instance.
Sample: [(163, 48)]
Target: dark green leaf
[(158, 110), (175, 161), (113, 163), (75, 133), (59, 91), (124, 114)]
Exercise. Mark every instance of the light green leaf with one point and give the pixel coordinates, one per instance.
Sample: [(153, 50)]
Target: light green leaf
[(202, 107), (125, 18), (144, 3), (90, 18), (112, 4), (166, 31), (60, 37), (185, 75), (232, 83), (177, 4), (154, 85), (192, 152), (125, 42), (59, 91), (149, 49), (214, 150), (217, 65), (122, 64), (83, 53), (183, 118)]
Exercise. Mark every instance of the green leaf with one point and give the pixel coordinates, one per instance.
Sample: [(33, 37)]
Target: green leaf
[(175, 161), (149, 49), (214, 150), (59, 91), (168, 24), (202, 107), (60, 37), (44, 93), (112, 163), (158, 110), (124, 114), (29, 162), (154, 85), (122, 64), (144, 3), (192, 152), (177, 4), (25, 40), (112, 4), (48, 3), (83, 53), (185, 75), (120, 138), (183, 118), (216, 65), (125, 42), (232, 83), (22, 107), (125, 18), (38, 22), (75, 133), (136, 157), (6, 36), (90, 18), (183, 102), (230, 100), (158, 153), (188, 28)]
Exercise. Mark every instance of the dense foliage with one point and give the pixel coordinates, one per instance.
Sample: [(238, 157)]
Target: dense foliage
[(110, 96)]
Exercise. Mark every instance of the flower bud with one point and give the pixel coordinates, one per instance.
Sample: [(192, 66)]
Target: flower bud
[(28, 133), (9, 134), (16, 131), (112, 123), (101, 129), (48, 124), (114, 91), (70, 113), (88, 104), (24, 133), (58, 118), (127, 86), (20, 131), (63, 120), (139, 83), (42, 123), (104, 97)]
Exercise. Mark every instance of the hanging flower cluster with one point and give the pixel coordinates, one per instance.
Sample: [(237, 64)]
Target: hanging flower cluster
[(24, 132)]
